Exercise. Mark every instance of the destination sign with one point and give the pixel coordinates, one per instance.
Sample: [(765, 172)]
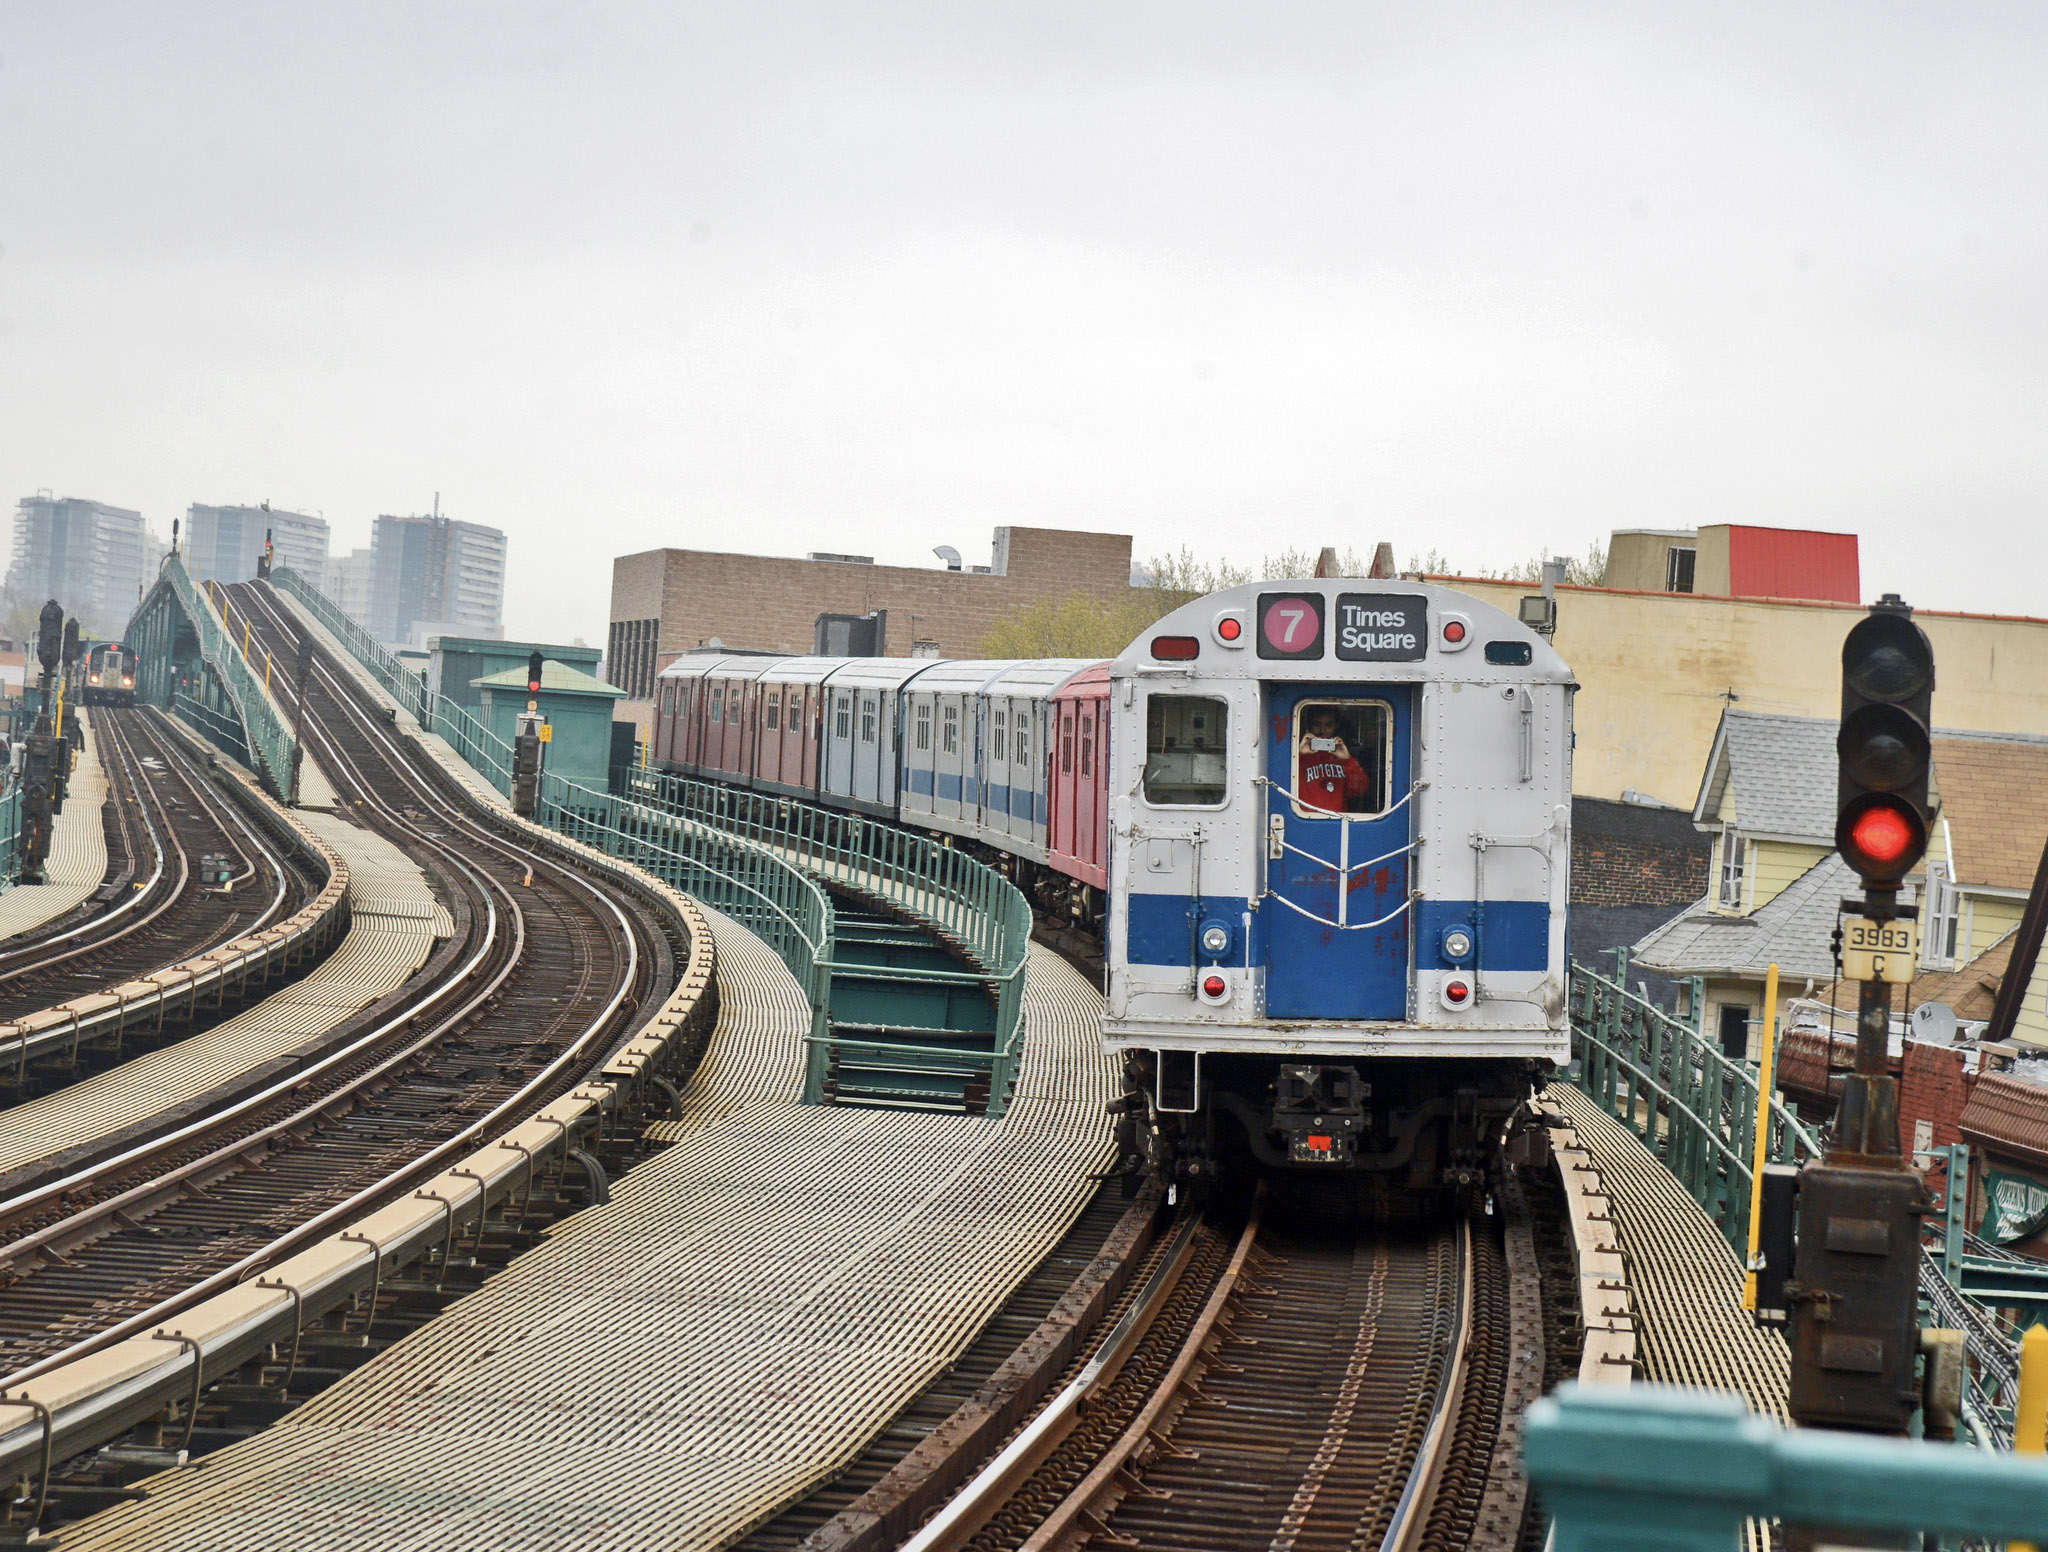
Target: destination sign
[(1382, 628)]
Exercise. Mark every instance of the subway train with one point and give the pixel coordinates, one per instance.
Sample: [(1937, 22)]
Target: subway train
[(1322, 830), (111, 672)]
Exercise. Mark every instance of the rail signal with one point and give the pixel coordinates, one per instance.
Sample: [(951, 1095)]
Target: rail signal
[(1884, 749)]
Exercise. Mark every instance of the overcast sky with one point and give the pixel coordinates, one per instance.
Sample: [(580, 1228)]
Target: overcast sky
[(874, 277)]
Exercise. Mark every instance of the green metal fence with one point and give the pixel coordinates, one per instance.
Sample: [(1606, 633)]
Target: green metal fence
[(737, 846), (266, 740), (403, 685), (972, 907), (10, 833), (1693, 1106)]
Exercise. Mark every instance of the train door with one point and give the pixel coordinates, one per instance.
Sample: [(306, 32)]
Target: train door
[(867, 716), (837, 737), (1336, 908)]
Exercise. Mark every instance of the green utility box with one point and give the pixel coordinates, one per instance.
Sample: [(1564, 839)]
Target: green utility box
[(458, 664)]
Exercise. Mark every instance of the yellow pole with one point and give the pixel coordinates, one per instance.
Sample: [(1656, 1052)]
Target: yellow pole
[(245, 638), (266, 673), (2030, 1416), (1765, 1071)]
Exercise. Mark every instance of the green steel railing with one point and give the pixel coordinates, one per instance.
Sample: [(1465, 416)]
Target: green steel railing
[(972, 907), (671, 821), (1657, 1469), (10, 831), (1693, 1106), (400, 682), (264, 736)]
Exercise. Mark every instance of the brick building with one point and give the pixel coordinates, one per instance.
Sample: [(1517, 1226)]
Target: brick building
[(664, 602)]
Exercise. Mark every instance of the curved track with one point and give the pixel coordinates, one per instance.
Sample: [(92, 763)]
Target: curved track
[(540, 981), (164, 815)]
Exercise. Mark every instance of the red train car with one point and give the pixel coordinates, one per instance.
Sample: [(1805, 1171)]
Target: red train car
[(1077, 824)]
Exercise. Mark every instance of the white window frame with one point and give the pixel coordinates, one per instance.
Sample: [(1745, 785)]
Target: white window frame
[(869, 716), (842, 717), (1733, 875), (949, 731), (924, 727), (1942, 932)]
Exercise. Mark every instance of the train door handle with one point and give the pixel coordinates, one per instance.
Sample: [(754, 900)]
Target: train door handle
[(1276, 836)]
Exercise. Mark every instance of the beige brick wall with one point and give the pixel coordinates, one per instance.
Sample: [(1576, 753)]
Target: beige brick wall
[(772, 603)]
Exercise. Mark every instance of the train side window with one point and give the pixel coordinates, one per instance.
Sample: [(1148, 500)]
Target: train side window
[(998, 745), (924, 725), (1020, 746), (718, 703), (1343, 757), (867, 719), (1067, 743), (774, 712), (1087, 743), (842, 716), (949, 735), (1187, 754)]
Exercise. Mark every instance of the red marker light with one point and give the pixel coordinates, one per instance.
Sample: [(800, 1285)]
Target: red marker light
[(1454, 630), (1175, 649), (1214, 986), (1882, 834), (1230, 628), (1457, 991)]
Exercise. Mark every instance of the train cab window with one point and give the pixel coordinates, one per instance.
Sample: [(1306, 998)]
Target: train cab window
[(999, 726), (1187, 758), (949, 733), (868, 716), (924, 725), (718, 703), (773, 715), (842, 716), (1087, 743), (1342, 755)]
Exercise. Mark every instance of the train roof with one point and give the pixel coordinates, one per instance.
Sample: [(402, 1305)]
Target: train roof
[(879, 673), (705, 665), (1371, 630)]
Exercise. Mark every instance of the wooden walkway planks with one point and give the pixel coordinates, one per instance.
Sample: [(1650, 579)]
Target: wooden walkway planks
[(665, 1371), (1686, 1282)]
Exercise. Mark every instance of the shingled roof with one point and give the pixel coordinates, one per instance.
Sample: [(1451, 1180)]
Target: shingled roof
[(1794, 931), (1783, 770), (1994, 793)]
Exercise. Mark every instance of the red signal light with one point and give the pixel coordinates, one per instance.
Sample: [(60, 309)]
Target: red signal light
[(1230, 627), (1214, 986), (1882, 835), (1454, 630), (1175, 649)]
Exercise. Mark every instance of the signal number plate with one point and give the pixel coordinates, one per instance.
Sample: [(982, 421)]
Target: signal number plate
[(1880, 950)]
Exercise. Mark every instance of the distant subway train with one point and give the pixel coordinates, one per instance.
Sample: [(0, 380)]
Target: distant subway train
[(1321, 828), (111, 672)]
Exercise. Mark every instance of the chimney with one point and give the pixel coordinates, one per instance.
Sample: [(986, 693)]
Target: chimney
[(1383, 569)]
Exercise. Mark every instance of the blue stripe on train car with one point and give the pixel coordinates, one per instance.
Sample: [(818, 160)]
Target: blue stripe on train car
[(998, 798), (1023, 801), (1162, 927), (949, 786), (920, 779), (1515, 934)]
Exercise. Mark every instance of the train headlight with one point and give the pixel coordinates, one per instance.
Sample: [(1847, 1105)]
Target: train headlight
[(1457, 944), (1215, 940), (1457, 991)]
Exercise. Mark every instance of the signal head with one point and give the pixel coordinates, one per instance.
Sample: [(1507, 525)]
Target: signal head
[(1884, 747), (1886, 657), (1881, 836)]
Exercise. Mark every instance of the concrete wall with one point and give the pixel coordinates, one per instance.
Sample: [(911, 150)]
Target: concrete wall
[(772, 602), (1656, 669)]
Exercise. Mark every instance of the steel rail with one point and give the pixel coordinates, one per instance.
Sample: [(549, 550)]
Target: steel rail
[(1411, 1509), (76, 1224)]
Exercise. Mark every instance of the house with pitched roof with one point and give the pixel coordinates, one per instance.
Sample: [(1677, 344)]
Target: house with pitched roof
[(1767, 803)]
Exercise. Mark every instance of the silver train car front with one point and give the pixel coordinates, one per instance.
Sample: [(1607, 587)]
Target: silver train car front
[(1340, 854)]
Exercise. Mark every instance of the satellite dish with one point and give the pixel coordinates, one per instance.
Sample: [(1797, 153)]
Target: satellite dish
[(1934, 1023)]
